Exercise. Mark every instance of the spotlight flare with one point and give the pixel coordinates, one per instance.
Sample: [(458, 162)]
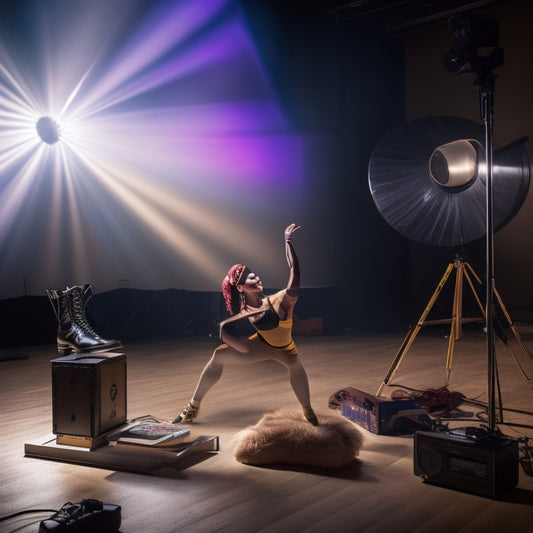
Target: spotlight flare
[(48, 130)]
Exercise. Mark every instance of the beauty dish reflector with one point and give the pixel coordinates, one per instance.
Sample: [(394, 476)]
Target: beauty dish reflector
[(428, 180)]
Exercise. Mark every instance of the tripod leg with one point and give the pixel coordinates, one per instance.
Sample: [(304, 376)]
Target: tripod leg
[(498, 398), (503, 337), (511, 325), (457, 318), (397, 359), (449, 358), (409, 339), (519, 366), (458, 301), (455, 329), (469, 279)]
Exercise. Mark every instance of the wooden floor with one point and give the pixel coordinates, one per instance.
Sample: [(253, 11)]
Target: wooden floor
[(378, 493)]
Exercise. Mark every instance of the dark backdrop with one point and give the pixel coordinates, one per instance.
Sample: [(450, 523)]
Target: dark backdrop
[(342, 90)]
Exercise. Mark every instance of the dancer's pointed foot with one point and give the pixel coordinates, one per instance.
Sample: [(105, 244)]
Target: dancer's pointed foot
[(310, 416), (189, 413)]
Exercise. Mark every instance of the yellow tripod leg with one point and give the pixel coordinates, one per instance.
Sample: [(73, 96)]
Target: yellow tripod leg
[(474, 292), (455, 328), (409, 339)]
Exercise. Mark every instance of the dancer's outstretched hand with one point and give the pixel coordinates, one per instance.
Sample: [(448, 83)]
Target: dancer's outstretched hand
[(289, 230)]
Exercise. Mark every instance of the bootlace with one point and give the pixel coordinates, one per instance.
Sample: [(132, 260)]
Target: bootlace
[(78, 310)]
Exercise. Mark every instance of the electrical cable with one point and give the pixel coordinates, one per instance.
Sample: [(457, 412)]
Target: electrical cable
[(28, 511)]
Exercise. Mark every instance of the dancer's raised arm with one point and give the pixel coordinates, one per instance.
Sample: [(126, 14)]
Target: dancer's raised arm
[(293, 286)]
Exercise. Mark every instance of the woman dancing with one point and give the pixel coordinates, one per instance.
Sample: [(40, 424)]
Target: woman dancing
[(271, 317)]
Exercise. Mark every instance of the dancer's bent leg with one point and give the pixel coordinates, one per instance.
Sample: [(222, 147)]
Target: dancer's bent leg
[(258, 352), (208, 378), (299, 382)]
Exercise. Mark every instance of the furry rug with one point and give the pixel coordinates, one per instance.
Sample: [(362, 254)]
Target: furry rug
[(285, 437)]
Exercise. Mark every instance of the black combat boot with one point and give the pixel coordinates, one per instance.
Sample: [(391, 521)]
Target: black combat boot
[(74, 333)]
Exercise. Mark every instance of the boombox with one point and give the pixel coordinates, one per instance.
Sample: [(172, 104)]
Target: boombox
[(487, 467)]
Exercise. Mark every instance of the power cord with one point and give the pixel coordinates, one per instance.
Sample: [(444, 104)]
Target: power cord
[(8, 517)]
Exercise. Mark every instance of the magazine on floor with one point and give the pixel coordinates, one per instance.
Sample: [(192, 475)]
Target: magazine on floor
[(149, 433)]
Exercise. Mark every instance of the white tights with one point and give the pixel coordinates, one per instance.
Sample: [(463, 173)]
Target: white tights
[(259, 351)]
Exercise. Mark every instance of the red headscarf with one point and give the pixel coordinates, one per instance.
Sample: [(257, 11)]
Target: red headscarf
[(237, 275)]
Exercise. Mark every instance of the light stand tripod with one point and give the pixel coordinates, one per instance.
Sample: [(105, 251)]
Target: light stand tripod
[(471, 37), (463, 271), (435, 453)]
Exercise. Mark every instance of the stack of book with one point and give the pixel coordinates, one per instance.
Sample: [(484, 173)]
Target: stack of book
[(145, 444), (149, 433), (152, 434)]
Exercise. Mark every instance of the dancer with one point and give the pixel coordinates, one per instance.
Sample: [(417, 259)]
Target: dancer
[(271, 317)]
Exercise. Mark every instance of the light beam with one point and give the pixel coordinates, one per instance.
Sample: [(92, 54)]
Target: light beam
[(171, 147)]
